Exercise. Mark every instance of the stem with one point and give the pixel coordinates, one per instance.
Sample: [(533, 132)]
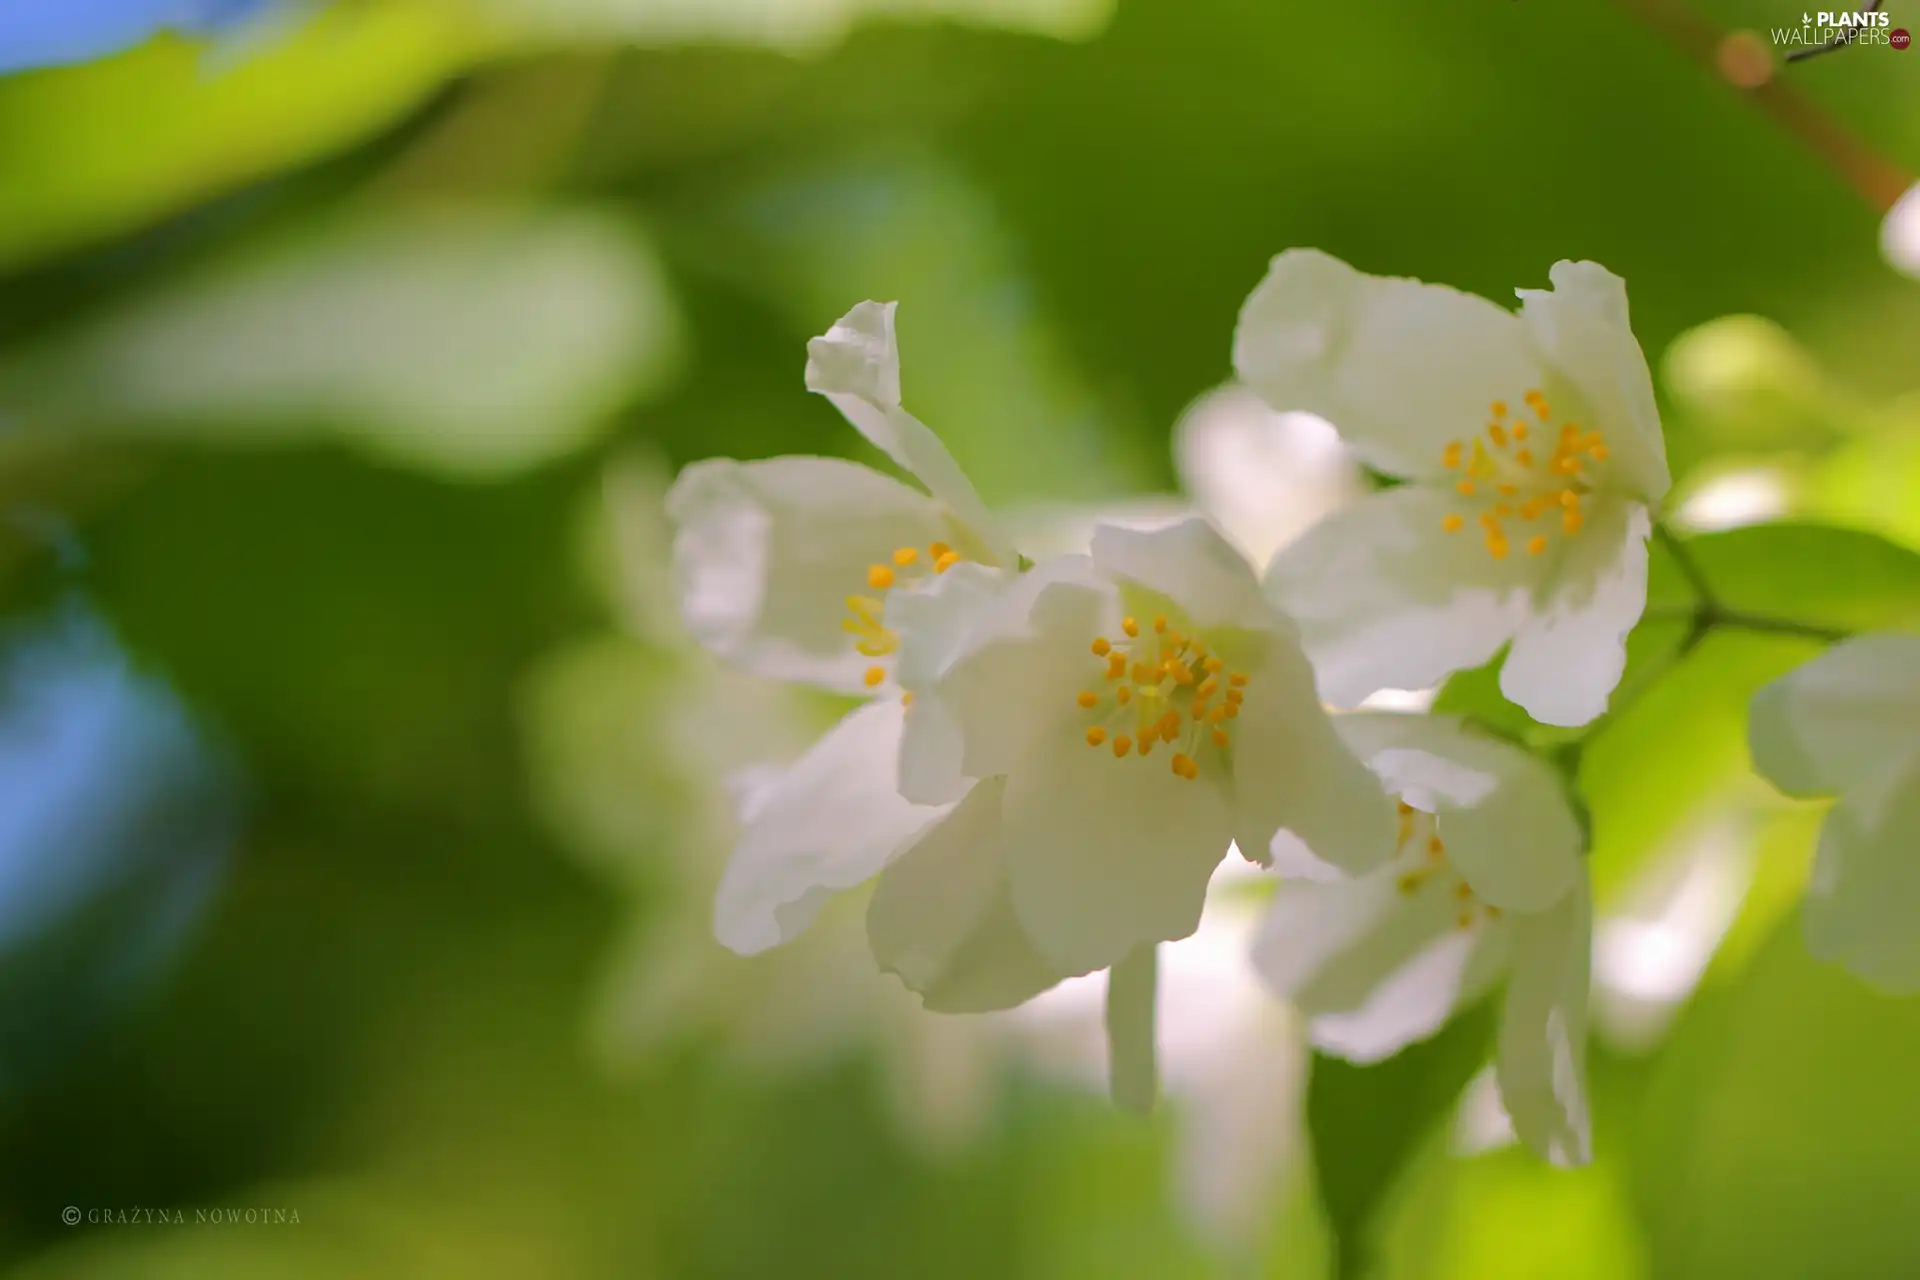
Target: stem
[(1717, 618), (1130, 1040)]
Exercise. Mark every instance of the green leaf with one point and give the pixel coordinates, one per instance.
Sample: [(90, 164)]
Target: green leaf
[(789, 24), (1368, 1122), (97, 150), (1777, 1137), (1813, 573), (1679, 745), (467, 342)]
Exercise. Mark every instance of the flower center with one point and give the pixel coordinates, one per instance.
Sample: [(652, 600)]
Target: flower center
[(1164, 687), (867, 614), (1501, 469), (1423, 854)]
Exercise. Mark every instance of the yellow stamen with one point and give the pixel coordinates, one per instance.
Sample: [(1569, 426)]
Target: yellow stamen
[(946, 562), (1465, 488), (1121, 745), (1160, 623), (1451, 457), (879, 577), (1220, 738), (905, 556), (1213, 664), (906, 699), (1498, 408), (1537, 544), (1102, 647), (1598, 452), (1235, 697), (874, 676), (1570, 520), (938, 549), (1519, 431), (1184, 766), (1237, 679), (1088, 700), (1435, 849), (1146, 744), (1130, 626), (1207, 687), (1123, 695), (1497, 434), (1096, 736), (1452, 524)]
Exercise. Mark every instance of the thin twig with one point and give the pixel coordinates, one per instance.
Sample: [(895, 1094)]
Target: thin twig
[(1873, 178)]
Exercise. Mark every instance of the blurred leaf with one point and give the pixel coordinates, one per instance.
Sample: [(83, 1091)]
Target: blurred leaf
[(1505, 1214), (1744, 380), (793, 24), (360, 632), (1369, 1122), (94, 151), (465, 342), (1778, 1138), (1871, 482), (1808, 572)]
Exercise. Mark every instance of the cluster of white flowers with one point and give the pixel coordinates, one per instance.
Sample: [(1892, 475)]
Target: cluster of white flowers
[(1056, 754)]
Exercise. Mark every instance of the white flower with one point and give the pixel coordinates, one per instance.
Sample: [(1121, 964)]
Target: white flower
[(1489, 877), (791, 568), (1848, 724), (643, 757), (1130, 714), (1533, 454)]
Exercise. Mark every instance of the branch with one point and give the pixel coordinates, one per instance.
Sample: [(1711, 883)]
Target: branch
[(1745, 64)]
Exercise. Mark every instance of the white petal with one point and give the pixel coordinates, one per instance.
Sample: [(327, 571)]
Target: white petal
[(766, 554), (1067, 528), (1502, 812), (1292, 770), (856, 365), (833, 820), (1021, 659), (1400, 367), (1192, 565), (1107, 854), (1263, 477), (1376, 969), (1582, 329), (1385, 599), (1863, 902), (1841, 718), (942, 918), (1569, 654), (935, 624), (1541, 1063)]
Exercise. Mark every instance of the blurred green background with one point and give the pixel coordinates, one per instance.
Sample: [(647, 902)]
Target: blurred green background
[(360, 804)]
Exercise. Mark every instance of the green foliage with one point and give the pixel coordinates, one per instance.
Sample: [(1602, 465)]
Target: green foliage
[(315, 343), (1367, 1122)]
